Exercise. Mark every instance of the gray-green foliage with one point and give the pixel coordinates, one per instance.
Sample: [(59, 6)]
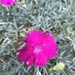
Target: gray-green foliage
[(54, 16)]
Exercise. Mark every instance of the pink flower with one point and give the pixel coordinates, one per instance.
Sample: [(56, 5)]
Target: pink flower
[(39, 48), (8, 2)]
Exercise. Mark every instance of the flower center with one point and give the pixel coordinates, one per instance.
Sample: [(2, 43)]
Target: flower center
[(37, 49)]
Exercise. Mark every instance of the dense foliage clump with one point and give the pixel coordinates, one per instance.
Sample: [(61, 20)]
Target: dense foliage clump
[(54, 16)]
